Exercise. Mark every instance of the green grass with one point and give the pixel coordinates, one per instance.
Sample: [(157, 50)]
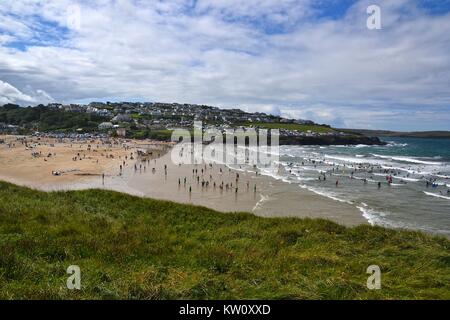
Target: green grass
[(163, 135), (133, 248), (291, 126)]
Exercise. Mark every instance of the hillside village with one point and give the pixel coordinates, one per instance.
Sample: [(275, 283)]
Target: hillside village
[(173, 115), (155, 120), (167, 115)]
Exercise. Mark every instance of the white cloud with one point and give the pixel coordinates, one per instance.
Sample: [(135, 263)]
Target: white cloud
[(10, 94), (220, 53), (269, 109)]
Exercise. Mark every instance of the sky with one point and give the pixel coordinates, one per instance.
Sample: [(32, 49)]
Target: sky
[(307, 59)]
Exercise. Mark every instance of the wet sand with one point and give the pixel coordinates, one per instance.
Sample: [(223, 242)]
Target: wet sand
[(272, 198)]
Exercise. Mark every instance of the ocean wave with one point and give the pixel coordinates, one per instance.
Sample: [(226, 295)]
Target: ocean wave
[(396, 144), (436, 195), (345, 159), (328, 194), (313, 169), (341, 175), (355, 160), (306, 179), (375, 217), (407, 179), (414, 171), (367, 179), (406, 159), (272, 174), (372, 216)]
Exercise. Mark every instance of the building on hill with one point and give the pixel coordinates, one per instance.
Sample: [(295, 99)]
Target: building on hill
[(122, 118), (105, 126), (121, 132)]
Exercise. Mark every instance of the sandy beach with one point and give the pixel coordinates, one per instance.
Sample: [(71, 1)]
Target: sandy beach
[(63, 164), (53, 164)]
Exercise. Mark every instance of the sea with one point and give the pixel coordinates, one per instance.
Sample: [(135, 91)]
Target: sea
[(403, 184)]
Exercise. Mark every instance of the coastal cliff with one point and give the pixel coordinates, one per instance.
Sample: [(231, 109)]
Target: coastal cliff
[(331, 140)]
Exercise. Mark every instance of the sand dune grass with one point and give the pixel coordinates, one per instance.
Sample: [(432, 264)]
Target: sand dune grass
[(133, 248)]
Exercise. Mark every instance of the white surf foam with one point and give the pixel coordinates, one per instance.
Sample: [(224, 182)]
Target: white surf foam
[(406, 179), (436, 195), (325, 194), (372, 216), (407, 159)]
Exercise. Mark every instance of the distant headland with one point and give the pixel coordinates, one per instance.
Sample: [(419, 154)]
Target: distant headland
[(400, 134)]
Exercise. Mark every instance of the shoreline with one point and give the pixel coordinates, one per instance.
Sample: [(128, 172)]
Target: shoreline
[(273, 198)]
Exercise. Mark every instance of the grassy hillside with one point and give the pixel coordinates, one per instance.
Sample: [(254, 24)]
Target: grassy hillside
[(42, 118), (160, 135), (135, 248)]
